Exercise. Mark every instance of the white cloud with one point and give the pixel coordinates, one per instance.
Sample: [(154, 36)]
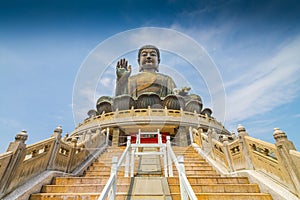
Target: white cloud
[(266, 85), (107, 82), (10, 123), (297, 116), (257, 78)]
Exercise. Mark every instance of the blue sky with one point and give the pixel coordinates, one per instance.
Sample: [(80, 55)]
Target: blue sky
[(254, 44)]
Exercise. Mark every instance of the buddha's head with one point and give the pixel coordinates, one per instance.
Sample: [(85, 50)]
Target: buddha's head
[(148, 58)]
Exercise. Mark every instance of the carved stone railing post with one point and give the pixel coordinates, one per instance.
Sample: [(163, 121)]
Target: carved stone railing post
[(83, 137), (66, 137), (115, 139), (56, 134), (210, 143), (166, 111), (107, 136), (72, 154), (88, 138), (200, 131), (191, 135), (288, 167), (18, 149), (227, 155), (243, 145)]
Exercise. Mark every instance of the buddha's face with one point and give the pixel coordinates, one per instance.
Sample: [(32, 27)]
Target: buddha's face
[(149, 60)]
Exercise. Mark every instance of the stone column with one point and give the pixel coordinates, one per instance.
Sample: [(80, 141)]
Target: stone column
[(288, 167), (181, 136), (228, 156), (115, 139), (88, 138), (210, 144), (191, 135), (72, 155), (83, 136), (57, 135), (18, 149), (243, 146), (107, 136), (200, 131)]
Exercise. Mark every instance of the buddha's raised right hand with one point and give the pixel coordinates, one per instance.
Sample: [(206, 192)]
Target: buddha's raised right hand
[(123, 70)]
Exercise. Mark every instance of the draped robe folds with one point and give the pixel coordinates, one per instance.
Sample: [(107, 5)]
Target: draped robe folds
[(142, 82)]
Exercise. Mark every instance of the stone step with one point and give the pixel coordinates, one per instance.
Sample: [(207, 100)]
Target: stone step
[(228, 196), (101, 173), (189, 155), (87, 180), (198, 173), (199, 162), (106, 154), (183, 150), (104, 163), (72, 196), (205, 181), (87, 188), (104, 160), (91, 196), (188, 159), (211, 180), (104, 168), (196, 168), (99, 168), (219, 188)]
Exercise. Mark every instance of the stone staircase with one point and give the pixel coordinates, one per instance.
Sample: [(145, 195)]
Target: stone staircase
[(208, 184), (88, 186), (205, 181)]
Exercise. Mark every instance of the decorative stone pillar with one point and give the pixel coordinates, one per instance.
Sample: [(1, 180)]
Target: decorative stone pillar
[(227, 155), (18, 149), (66, 137), (181, 137), (88, 138), (74, 142), (200, 131), (83, 137), (57, 135), (191, 136), (115, 139), (210, 143), (214, 134), (107, 136), (57, 132), (243, 145), (287, 165)]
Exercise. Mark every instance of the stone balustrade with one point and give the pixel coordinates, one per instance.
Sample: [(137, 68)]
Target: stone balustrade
[(280, 160), (149, 116), (21, 162)]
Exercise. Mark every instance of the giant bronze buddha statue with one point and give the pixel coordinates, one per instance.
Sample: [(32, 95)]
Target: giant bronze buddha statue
[(148, 87), (148, 80)]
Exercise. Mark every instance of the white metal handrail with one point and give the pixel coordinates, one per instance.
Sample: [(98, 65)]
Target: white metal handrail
[(110, 188), (160, 145), (186, 191)]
